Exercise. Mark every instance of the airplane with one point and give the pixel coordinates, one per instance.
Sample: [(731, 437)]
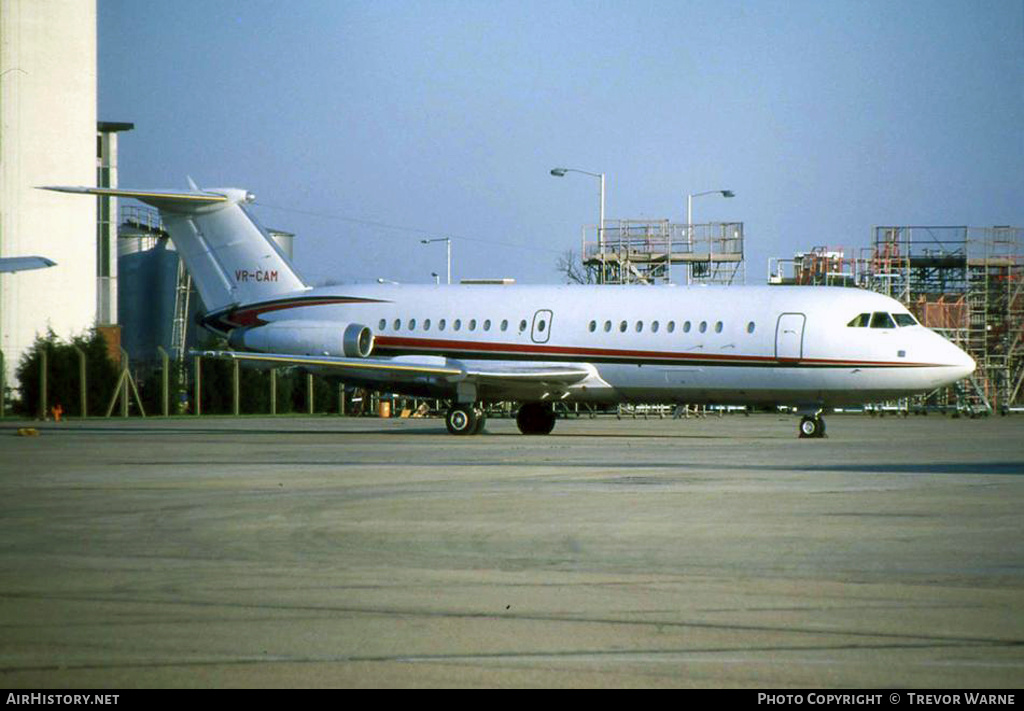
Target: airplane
[(809, 348), (22, 264)]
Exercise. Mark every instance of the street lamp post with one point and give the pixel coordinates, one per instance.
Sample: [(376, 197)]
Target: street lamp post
[(691, 196), (560, 173), (448, 242), (689, 214)]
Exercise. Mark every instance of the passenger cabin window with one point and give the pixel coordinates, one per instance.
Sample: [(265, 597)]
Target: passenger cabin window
[(904, 320), (881, 319), (860, 321)]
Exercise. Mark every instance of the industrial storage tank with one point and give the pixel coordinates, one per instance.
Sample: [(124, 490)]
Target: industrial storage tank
[(153, 292), (146, 288)]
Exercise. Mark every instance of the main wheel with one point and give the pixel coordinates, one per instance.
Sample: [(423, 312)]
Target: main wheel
[(535, 418), (481, 420), (462, 420), (812, 427)]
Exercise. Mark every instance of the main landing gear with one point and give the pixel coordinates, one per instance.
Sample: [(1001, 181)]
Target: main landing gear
[(812, 426), (536, 418), (465, 420), (533, 418)]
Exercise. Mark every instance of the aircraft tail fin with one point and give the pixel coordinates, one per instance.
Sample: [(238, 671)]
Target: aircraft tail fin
[(231, 258)]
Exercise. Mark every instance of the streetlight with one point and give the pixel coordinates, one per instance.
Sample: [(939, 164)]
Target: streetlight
[(689, 202), (448, 241), (689, 209), (560, 173)]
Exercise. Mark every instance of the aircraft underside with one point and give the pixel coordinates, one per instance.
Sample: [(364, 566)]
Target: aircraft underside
[(536, 412), (697, 393)]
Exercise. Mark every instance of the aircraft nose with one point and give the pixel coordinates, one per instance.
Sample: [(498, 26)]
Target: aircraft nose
[(963, 362)]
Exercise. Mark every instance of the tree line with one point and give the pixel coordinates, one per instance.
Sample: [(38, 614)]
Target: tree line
[(64, 383)]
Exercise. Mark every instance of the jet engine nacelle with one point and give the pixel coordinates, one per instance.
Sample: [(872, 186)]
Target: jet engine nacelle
[(332, 338)]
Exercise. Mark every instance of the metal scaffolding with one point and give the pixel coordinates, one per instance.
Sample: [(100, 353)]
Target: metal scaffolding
[(822, 266), (964, 282), (658, 251)]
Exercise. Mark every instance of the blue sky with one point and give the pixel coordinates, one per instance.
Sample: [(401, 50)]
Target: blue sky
[(365, 127)]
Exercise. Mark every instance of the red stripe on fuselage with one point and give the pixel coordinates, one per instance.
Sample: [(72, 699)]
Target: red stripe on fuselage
[(469, 348)]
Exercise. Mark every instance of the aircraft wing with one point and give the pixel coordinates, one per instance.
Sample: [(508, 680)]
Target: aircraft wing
[(21, 264), (492, 379)]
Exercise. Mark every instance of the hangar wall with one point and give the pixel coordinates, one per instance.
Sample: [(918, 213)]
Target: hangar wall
[(47, 137)]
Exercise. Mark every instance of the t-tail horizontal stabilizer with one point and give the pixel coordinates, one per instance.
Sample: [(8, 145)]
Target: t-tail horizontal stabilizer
[(169, 200), (232, 260)]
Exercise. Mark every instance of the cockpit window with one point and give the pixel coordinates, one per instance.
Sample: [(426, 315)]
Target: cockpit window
[(860, 321), (904, 320), (881, 319)]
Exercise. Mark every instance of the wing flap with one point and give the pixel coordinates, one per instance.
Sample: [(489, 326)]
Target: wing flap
[(529, 373)]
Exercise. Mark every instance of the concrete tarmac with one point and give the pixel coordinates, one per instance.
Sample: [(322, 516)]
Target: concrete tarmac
[(330, 552)]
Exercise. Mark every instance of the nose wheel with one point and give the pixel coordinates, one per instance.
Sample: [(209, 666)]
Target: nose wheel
[(812, 427)]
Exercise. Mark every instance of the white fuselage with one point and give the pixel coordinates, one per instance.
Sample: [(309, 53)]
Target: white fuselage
[(703, 344)]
